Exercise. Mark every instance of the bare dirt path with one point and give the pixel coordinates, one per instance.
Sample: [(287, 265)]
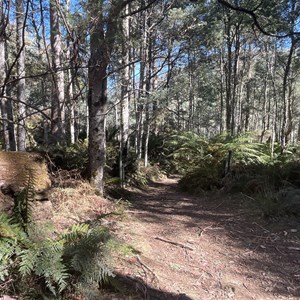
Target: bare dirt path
[(207, 247)]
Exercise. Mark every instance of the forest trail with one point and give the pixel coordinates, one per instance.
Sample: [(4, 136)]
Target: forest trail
[(214, 246)]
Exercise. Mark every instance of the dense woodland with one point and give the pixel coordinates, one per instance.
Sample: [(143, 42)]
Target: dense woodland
[(134, 71), (124, 90)]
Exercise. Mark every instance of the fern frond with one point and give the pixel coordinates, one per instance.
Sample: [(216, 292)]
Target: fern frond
[(75, 232), (84, 254), (22, 211)]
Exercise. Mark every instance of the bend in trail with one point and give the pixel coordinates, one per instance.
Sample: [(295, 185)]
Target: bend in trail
[(215, 246)]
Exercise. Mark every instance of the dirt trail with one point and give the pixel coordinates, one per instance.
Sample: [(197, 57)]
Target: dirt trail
[(208, 247)]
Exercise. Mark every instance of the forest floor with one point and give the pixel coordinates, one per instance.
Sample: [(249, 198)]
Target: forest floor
[(214, 246)]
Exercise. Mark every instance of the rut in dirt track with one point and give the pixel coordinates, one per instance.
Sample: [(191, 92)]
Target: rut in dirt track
[(208, 247)]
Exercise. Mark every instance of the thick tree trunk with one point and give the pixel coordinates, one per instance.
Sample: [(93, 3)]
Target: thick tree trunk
[(97, 119), (97, 99), (58, 96), (21, 132)]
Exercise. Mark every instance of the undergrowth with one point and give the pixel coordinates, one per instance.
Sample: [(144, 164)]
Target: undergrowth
[(240, 164), (56, 266), (75, 257)]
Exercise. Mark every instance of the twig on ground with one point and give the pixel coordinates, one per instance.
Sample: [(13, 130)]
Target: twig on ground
[(280, 251), (294, 248), (261, 227), (251, 198), (217, 205), (207, 227), (144, 265), (202, 230), (137, 212), (174, 243)]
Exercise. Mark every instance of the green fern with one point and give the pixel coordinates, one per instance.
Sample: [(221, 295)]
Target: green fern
[(22, 211), (10, 235), (84, 252), (78, 254)]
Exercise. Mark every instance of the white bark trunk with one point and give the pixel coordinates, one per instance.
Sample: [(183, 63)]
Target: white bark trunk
[(21, 130), (125, 96)]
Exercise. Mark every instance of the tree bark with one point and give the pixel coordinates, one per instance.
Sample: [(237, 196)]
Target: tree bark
[(102, 38), (58, 93), (125, 97), (3, 100), (21, 130)]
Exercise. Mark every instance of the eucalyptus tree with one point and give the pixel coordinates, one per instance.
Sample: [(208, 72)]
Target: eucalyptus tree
[(104, 17), (5, 120), (58, 92), (21, 90), (2, 71), (277, 19), (125, 95)]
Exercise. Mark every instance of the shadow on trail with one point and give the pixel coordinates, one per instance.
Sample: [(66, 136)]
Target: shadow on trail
[(146, 292), (270, 250)]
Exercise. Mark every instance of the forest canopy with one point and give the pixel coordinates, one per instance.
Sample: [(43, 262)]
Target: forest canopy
[(130, 72)]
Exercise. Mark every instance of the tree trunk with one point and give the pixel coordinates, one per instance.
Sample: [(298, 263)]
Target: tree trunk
[(285, 132), (103, 31), (125, 97), (58, 96), (21, 132), (141, 94), (3, 78)]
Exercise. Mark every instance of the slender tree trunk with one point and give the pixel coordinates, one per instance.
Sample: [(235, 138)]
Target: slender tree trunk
[(142, 91), (228, 74), (125, 97), (285, 131), (10, 117), (248, 92), (71, 86), (70, 117), (3, 78), (265, 96), (235, 80), (21, 136), (221, 116), (149, 66), (190, 92)]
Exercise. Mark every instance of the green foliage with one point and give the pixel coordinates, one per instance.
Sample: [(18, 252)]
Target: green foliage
[(10, 237), (22, 210), (186, 150), (144, 175), (75, 256), (285, 202), (121, 248), (45, 260), (202, 178), (268, 202), (72, 157), (83, 253)]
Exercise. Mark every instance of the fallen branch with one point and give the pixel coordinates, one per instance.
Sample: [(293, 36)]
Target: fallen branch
[(174, 243)]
